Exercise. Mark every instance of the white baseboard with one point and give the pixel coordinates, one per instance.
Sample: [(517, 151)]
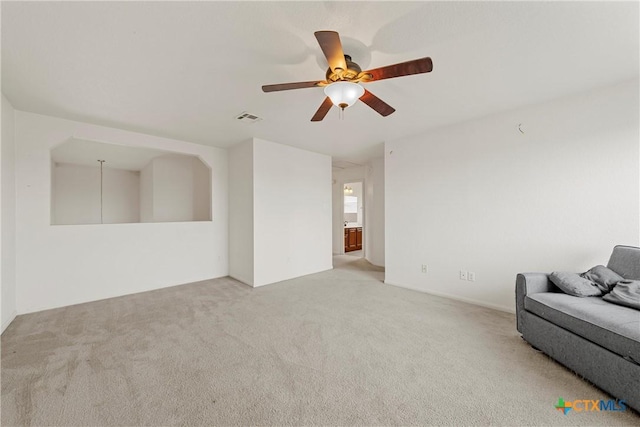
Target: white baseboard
[(455, 297), (373, 263), (7, 322), (326, 268), (241, 280)]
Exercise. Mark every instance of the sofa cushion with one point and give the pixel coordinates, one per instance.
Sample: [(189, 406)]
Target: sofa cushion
[(613, 327), (627, 293), (625, 260), (573, 284), (604, 278)]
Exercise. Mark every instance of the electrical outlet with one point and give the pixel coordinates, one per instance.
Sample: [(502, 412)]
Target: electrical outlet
[(463, 275), (424, 268), (471, 276)]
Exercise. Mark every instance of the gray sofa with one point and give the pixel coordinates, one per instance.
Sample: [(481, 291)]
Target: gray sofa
[(598, 340)]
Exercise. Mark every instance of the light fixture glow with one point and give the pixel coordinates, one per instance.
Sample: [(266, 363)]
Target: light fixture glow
[(344, 94)]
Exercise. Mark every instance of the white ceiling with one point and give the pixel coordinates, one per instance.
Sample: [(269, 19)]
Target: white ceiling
[(185, 70)]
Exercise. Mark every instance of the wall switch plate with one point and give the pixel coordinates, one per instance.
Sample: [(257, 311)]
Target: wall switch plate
[(463, 275), (471, 276), (424, 268)]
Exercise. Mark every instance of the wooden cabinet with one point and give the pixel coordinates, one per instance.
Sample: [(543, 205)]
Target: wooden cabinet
[(352, 239)]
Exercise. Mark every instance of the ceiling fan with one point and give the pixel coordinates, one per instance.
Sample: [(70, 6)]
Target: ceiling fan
[(343, 78)]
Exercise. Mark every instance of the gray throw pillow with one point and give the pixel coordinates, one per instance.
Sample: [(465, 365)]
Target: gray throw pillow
[(626, 292), (573, 284), (604, 278)]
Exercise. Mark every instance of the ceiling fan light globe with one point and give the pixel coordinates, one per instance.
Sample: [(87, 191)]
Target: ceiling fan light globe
[(344, 94)]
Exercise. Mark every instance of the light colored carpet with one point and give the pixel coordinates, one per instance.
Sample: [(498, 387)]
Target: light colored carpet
[(334, 348), (359, 253)]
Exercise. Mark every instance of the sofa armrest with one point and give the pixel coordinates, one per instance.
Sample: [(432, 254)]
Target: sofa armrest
[(530, 283), (534, 283)]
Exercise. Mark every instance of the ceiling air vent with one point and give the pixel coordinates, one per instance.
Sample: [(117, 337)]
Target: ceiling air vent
[(248, 117)]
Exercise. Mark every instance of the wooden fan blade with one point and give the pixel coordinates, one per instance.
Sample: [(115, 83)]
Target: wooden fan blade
[(377, 104), (329, 42), (289, 86), (323, 110), (417, 66)]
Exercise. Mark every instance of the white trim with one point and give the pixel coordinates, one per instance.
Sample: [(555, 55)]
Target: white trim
[(372, 263), (295, 277), (8, 322), (456, 298), (243, 281), (342, 183)]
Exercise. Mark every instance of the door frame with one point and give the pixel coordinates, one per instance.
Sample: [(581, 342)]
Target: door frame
[(364, 209)]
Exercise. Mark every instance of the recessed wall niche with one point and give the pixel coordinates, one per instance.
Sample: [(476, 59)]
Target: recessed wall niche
[(100, 183)]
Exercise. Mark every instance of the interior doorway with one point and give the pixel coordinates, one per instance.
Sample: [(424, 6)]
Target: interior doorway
[(353, 218)]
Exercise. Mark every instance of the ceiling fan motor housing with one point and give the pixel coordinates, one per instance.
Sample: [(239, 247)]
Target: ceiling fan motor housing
[(352, 71)]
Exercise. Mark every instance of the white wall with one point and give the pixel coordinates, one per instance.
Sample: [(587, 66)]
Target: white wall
[(121, 196), (292, 212), (146, 193), (76, 195), (8, 215), (280, 198), (83, 263), (201, 190), (172, 188), (481, 196), (358, 191), (241, 206), (175, 188), (374, 244)]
